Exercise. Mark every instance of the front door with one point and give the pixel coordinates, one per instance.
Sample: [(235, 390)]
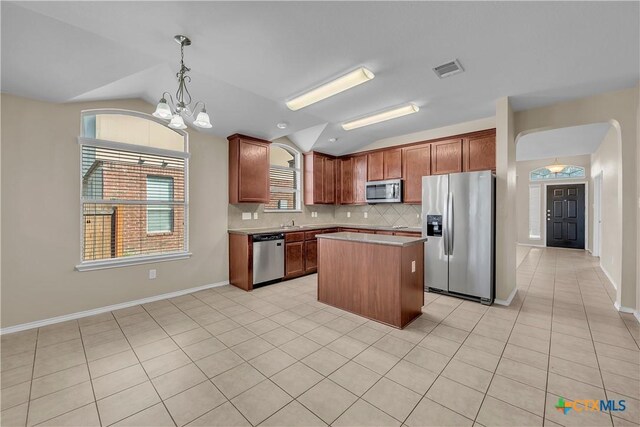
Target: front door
[(565, 216)]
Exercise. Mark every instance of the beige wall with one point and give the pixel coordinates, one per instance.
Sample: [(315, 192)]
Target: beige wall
[(620, 109), (522, 196), (41, 218), (606, 160), (505, 200)]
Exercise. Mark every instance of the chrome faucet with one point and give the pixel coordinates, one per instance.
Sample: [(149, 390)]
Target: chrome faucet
[(293, 223)]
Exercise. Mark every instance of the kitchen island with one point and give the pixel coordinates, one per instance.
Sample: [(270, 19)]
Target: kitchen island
[(379, 277)]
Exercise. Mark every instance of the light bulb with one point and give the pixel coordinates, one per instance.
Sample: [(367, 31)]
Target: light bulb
[(177, 122), (202, 121), (162, 110)]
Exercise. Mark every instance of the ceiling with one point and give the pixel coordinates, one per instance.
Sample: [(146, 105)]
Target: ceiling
[(248, 58), (563, 142)]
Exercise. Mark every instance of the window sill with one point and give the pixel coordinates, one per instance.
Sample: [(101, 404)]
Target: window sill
[(128, 261)]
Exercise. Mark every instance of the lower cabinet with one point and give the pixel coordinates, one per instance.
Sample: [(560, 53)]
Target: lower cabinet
[(310, 256), (293, 259)]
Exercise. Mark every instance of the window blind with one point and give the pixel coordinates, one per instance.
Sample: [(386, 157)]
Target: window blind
[(133, 203), (534, 211), (284, 188)]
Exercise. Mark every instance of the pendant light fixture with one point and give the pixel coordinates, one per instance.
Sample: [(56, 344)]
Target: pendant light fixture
[(177, 110), (556, 167)]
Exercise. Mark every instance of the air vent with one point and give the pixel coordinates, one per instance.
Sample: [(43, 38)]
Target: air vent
[(448, 69)]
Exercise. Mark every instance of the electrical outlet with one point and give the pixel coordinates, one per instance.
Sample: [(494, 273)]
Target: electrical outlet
[(152, 274), (417, 215), (366, 214), (246, 215), (255, 215), (348, 214), (314, 214), (413, 266)]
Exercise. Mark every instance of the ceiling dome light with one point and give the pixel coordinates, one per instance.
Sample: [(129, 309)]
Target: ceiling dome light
[(333, 139), (177, 122), (282, 125), (556, 167), (202, 121)]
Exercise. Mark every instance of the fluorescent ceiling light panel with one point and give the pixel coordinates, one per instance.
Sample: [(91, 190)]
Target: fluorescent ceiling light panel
[(354, 78), (381, 117)]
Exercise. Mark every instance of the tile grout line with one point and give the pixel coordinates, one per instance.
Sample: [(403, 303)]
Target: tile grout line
[(33, 369), (93, 391), (148, 378), (494, 373), (586, 313)]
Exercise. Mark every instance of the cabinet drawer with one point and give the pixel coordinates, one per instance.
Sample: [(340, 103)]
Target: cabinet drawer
[(407, 233), (297, 236), (309, 235)]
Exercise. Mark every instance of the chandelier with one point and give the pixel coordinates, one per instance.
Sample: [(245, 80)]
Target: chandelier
[(180, 108)]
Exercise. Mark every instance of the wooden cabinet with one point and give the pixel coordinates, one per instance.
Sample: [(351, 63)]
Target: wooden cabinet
[(329, 177), (392, 160), (360, 179), (346, 181), (294, 259), (375, 166), (385, 164), (446, 156), (319, 179), (416, 164), (479, 152), (248, 169), (310, 256)]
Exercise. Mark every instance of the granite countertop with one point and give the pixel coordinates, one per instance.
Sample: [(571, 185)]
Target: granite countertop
[(378, 239), (250, 231)]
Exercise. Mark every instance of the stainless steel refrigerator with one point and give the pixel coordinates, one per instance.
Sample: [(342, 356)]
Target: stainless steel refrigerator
[(458, 219)]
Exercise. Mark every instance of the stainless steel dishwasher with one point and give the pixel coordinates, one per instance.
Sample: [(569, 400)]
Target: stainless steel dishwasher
[(268, 257)]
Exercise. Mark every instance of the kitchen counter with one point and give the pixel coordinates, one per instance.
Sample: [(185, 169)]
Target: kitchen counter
[(251, 231), (377, 239)]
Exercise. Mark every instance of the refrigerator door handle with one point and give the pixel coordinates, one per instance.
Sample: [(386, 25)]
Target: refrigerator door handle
[(445, 225), (450, 219)]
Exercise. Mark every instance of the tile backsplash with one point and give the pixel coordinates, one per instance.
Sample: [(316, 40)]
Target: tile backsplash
[(275, 219), (389, 214), (382, 214)]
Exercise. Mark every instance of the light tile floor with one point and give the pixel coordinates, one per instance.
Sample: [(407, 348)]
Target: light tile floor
[(278, 357)]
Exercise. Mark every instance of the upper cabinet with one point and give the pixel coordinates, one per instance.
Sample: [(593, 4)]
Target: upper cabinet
[(375, 166), (360, 179), (446, 156), (417, 163), (248, 169), (346, 182), (319, 179), (479, 152), (392, 163), (385, 164)]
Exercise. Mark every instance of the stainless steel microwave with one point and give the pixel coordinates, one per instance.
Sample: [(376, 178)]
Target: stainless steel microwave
[(389, 191)]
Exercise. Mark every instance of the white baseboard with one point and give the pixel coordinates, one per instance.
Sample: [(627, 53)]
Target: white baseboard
[(507, 302), (623, 309), (637, 315), (532, 245), (606, 273), (92, 312)]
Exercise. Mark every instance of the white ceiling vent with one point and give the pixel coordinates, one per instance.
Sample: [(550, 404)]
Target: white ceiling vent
[(448, 69)]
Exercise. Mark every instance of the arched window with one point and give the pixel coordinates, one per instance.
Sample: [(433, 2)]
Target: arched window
[(542, 174), (284, 179), (134, 195)]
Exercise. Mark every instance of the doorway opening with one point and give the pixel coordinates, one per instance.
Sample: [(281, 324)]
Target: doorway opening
[(565, 216)]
